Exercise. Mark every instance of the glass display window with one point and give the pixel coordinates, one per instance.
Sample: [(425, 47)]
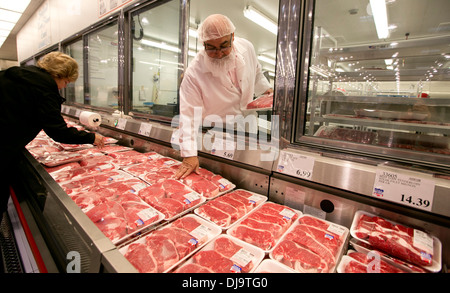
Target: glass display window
[(74, 93), (378, 77), (156, 55), (102, 67)]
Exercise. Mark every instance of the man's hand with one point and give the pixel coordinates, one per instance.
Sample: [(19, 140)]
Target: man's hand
[(99, 141), (189, 165)]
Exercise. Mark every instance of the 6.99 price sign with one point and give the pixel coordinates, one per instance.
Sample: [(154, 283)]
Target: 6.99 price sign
[(404, 189)]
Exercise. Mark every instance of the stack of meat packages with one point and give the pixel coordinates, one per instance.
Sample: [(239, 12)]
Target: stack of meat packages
[(399, 242), (122, 190), (312, 245)]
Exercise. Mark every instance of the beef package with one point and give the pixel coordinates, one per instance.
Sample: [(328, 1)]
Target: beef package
[(162, 249), (264, 226), (312, 245), (408, 244), (225, 254)]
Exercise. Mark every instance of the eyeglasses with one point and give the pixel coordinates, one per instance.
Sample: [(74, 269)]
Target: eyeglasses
[(221, 49)]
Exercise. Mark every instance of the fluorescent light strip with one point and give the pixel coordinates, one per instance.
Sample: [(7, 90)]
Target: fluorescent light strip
[(257, 17), (10, 13), (160, 46), (266, 59), (379, 13)]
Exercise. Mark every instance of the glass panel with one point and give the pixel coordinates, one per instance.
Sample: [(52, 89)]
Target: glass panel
[(388, 88), (257, 23), (103, 67), (75, 90), (156, 53)]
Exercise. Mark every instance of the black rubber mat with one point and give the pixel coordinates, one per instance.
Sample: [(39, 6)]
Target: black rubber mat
[(9, 256)]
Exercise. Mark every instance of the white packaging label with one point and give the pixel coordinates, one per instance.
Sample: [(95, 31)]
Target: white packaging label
[(242, 257), (287, 213), (404, 189), (297, 165), (201, 233), (147, 214)]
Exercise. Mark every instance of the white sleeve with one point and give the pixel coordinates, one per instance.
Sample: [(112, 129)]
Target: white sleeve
[(191, 106)]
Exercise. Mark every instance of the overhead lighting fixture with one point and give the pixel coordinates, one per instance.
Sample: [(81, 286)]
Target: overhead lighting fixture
[(259, 18), (379, 13), (163, 46), (10, 13), (266, 59)]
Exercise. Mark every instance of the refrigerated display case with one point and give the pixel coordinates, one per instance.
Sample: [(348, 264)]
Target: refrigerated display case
[(334, 135)]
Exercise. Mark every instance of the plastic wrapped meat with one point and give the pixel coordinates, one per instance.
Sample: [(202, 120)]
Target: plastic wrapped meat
[(262, 102)]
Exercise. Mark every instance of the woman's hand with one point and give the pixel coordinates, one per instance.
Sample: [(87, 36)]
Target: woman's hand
[(189, 165)]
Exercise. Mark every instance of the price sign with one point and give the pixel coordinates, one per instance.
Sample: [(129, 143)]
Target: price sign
[(121, 123), (223, 148), (404, 189), (145, 129), (297, 165)]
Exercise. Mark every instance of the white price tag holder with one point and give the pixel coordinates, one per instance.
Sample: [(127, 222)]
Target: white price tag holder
[(121, 123), (145, 129), (297, 165), (77, 113), (404, 189), (224, 148)]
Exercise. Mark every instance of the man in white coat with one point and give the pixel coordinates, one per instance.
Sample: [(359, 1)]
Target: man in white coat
[(221, 80)]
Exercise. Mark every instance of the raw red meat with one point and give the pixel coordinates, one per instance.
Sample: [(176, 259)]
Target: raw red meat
[(394, 239), (299, 258), (104, 210), (310, 246), (213, 260), (265, 226), (138, 215), (141, 258), (212, 213), (163, 250), (265, 101), (193, 268), (362, 261), (60, 158), (170, 197), (113, 227), (201, 185)]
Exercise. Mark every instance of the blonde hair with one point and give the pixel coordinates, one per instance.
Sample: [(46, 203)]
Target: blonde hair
[(59, 65)]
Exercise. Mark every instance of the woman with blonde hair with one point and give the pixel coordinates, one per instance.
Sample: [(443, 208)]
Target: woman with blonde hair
[(31, 102)]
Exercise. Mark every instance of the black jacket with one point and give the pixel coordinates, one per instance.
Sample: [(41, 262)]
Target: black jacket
[(30, 102)]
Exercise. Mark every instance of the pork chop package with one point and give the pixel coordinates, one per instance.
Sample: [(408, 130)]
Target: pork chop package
[(224, 254), (312, 245), (406, 243), (162, 249), (264, 226), (225, 210)]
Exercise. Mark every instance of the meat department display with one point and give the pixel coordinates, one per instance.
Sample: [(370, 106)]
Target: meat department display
[(164, 248), (224, 254), (360, 262), (225, 210), (265, 225), (128, 194), (406, 243), (312, 245)]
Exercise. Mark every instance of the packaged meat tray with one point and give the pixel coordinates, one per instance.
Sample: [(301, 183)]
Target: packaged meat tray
[(265, 225), (59, 158), (171, 197), (227, 209), (272, 266), (122, 216), (360, 246), (111, 148), (360, 262), (161, 250), (224, 254), (264, 102), (406, 243), (312, 245)]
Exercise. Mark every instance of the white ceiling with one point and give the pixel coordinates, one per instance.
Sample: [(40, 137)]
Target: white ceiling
[(9, 49)]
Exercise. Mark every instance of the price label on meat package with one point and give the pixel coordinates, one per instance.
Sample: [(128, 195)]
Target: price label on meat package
[(297, 165), (404, 189)]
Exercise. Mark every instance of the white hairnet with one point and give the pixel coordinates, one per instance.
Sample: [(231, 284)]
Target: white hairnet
[(215, 27)]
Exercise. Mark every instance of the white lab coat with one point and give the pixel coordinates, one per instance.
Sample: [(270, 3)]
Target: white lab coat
[(216, 95)]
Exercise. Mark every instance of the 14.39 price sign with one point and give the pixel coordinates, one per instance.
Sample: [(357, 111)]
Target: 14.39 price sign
[(404, 189)]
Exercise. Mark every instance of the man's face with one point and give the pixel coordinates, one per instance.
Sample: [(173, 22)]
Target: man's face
[(219, 48)]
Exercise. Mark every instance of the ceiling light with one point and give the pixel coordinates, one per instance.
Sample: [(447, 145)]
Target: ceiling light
[(259, 18), (379, 12), (163, 46), (10, 13), (266, 59)]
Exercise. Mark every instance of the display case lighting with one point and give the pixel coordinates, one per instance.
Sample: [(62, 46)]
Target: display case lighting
[(379, 13), (260, 19)]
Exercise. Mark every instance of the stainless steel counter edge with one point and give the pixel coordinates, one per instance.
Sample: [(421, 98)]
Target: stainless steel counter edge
[(337, 172), (360, 177)]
